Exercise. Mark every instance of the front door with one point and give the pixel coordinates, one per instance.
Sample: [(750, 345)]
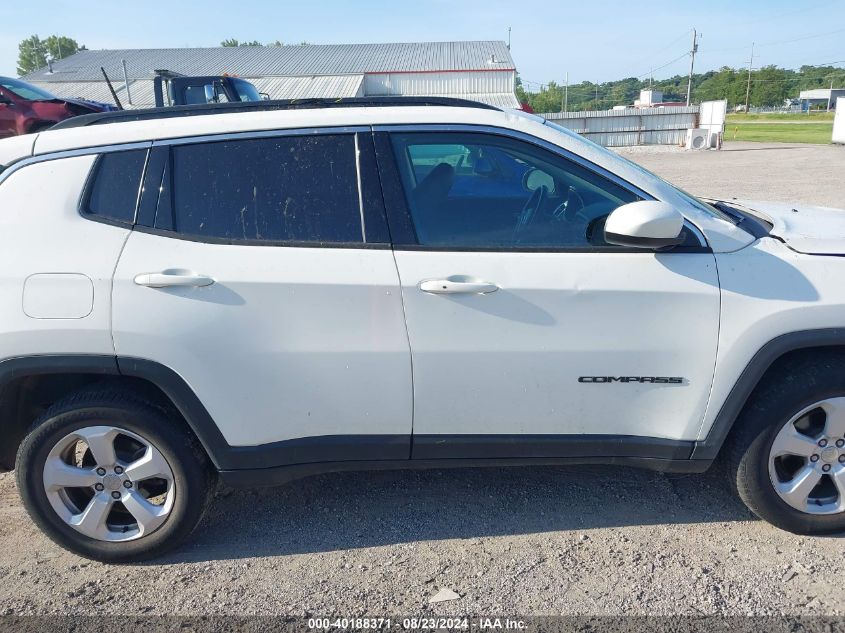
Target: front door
[(8, 115), (254, 277), (530, 335)]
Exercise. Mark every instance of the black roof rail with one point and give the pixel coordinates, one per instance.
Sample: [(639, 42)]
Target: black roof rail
[(171, 112)]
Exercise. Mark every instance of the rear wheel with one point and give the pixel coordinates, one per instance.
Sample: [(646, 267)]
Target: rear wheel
[(112, 478), (787, 459)]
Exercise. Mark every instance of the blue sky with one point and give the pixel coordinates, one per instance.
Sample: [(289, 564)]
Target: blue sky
[(595, 41)]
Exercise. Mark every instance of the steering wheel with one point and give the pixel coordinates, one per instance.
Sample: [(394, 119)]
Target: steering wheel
[(571, 207), (529, 210)]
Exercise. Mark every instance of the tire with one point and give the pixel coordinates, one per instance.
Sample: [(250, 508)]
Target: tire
[(138, 428), (798, 399)]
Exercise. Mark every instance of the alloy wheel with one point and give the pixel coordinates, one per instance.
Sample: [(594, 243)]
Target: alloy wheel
[(807, 459), (108, 483)]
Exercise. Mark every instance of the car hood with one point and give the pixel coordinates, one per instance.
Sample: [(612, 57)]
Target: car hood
[(804, 228)]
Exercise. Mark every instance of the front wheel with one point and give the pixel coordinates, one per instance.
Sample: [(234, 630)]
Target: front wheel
[(113, 478), (787, 460)]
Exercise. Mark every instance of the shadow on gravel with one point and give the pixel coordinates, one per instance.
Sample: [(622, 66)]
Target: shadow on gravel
[(355, 510)]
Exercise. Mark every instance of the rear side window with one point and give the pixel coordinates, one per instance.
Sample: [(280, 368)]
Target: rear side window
[(284, 189), (113, 192)]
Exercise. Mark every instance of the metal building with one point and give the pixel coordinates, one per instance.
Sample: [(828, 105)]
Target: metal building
[(825, 97), (481, 71)]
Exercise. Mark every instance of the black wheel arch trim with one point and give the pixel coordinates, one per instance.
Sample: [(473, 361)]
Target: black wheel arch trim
[(760, 363), (100, 364), (185, 400)]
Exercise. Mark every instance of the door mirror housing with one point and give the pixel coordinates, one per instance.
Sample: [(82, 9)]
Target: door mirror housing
[(645, 224), (5, 100)]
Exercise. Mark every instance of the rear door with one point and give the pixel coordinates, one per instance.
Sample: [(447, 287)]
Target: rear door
[(260, 271), (530, 335)]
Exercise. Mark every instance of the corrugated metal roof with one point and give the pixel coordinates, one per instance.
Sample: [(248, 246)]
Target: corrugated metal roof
[(265, 61), (496, 99), (310, 87), (91, 90), (141, 91)]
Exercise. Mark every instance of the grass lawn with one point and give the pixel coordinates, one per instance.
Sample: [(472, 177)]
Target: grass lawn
[(780, 128), (782, 116)]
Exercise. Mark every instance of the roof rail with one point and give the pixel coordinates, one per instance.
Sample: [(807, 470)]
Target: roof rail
[(171, 112)]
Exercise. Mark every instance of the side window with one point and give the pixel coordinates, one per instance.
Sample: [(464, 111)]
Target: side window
[(113, 191), (476, 190), (195, 95), (283, 189)]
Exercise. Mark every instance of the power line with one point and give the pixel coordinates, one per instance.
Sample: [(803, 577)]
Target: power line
[(801, 39), (769, 18), (651, 72), (777, 43), (658, 52)]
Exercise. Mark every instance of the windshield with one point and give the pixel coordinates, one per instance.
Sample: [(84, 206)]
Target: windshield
[(246, 91), (692, 200), (25, 90)]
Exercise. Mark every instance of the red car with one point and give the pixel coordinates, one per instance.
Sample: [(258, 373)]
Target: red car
[(25, 108)]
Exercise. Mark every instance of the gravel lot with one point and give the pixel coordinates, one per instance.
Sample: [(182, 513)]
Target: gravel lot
[(782, 172), (527, 541)]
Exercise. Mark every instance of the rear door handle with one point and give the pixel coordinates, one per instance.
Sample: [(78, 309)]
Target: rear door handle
[(167, 279), (457, 285)]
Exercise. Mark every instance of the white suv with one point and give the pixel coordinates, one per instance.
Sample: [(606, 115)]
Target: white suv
[(259, 292)]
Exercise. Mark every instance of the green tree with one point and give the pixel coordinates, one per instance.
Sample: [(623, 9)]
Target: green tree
[(59, 46), (521, 95), (34, 53), (233, 42), (770, 86)]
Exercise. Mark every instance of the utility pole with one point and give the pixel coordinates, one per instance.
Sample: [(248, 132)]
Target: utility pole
[(830, 95), (692, 53), (597, 96), (566, 94), (748, 88), (509, 38)]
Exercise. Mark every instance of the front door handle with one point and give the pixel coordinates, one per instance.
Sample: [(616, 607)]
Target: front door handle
[(168, 279), (457, 285)]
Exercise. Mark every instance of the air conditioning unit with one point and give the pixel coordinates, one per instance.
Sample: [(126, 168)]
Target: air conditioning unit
[(715, 140), (698, 138)]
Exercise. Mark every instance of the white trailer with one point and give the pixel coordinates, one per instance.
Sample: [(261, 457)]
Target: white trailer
[(839, 122)]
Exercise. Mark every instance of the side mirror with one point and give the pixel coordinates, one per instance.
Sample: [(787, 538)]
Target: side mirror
[(645, 224), (210, 93), (5, 100)]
